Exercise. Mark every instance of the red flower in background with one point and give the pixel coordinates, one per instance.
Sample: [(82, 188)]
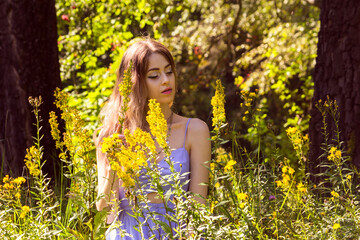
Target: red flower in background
[(113, 46), (197, 50), (65, 17)]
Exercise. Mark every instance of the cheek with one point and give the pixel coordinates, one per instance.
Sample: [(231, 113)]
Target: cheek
[(174, 83), (150, 89)]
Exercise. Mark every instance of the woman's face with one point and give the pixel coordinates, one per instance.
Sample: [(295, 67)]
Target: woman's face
[(160, 79)]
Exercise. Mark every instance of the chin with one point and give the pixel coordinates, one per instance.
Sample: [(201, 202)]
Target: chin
[(164, 102)]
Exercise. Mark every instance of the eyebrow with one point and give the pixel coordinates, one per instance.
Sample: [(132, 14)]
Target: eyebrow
[(153, 69)]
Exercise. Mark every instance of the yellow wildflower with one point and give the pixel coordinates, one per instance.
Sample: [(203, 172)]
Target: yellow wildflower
[(125, 89), (158, 125), (221, 155), (297, 141), (332, 150), (336, 226), (301, 187), (61, 99), (291, 130), (62, 156), (212, 166), (217, 185), (25, 209), (77, 146), (338, 154), (291, 170), (218, 102), (6, 178), (278, 183), (55, 132), (284, 169), (110, 142), (252, 95), (32, 158), (238, 80), (349, 177), (212, 206), (229, 165), (127, 159), (17, 195), (306, 137), (331, 156), (334, 155), (286, 179), (19, 180), (334, 194), (242, 196)]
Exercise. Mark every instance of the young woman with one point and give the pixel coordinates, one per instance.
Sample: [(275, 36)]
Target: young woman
[(153, 77)]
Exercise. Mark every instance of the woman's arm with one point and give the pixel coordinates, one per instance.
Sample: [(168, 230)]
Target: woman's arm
[(108, 183), (200, 155)]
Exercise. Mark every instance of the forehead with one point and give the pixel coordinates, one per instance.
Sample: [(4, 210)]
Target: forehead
[(157, 60)]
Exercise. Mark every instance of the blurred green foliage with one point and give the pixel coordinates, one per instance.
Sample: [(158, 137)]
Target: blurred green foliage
[(248, 44)]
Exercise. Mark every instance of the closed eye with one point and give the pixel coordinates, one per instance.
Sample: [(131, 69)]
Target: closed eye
[(170, 71), (153, 75)]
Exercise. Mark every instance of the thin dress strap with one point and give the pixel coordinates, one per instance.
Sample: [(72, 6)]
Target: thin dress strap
[(186, 128)]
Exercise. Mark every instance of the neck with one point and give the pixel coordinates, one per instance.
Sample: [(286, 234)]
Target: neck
[(166, 111)]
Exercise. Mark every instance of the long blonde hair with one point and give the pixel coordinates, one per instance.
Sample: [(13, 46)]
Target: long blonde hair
[(139, 54)]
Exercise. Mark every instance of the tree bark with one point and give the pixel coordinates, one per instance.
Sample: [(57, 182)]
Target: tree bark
[(337, 74), (28, 67)]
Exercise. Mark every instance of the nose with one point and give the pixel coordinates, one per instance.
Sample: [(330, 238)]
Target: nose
[(165, 79)]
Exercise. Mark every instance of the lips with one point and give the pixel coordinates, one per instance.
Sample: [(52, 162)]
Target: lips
[(167, 91)]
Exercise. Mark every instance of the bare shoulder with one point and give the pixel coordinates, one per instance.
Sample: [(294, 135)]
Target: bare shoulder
[(198, 131), (199, 145), (198, 126)]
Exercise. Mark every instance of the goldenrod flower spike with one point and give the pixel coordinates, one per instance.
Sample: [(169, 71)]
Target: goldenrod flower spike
[(31, 157), (335, 155), (55, 132), (125, 89), (127, 159), (158, 125), (218, 104)]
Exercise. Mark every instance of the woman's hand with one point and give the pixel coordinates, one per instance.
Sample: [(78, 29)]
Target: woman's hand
[(108, 182)]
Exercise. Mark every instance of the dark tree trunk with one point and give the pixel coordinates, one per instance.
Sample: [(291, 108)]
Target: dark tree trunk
[(28, 67), (337, 74)]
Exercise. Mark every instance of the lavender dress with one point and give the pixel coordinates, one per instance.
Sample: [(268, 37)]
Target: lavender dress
[(181, 161)]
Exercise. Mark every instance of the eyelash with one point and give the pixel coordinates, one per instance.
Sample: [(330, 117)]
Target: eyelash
[(154, 77)]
